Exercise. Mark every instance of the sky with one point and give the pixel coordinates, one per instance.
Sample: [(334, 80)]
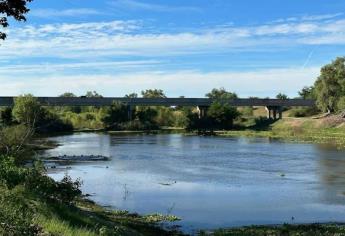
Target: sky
[(185, 47)]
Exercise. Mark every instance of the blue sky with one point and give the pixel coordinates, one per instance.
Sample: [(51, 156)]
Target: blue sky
[(185, 47)]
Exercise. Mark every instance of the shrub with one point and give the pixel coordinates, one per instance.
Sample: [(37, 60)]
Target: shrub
[(15, 213), (303, 111), (36, 181), (14, 142)]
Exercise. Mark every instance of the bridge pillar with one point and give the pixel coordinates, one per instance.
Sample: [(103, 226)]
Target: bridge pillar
[(280, 111), (202, 111), (130, 112), (274, 112)]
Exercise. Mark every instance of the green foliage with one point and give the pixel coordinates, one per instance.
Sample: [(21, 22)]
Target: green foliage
[(222, 115), (307, 93), (115, 114), (219, 116), (147, 114), (15, 213), (131, 95), (221, 93), (330, 85), (14, 141), (9, 8), (282, 96), (36, 181), (153, 93), (341, 104), (303, 111), (68, 95), (6, 117), (93, 94), (27, 110)]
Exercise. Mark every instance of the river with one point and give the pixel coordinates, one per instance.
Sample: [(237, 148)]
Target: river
[(210, 182)]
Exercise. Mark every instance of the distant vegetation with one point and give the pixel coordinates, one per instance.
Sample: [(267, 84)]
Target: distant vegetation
[(328, 91)]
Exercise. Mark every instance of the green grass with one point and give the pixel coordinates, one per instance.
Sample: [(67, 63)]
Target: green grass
[(288, 230), (297, 129)]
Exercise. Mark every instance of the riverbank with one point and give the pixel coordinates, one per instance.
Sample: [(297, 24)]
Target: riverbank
[(325, 130), (31, 203), (291, 230)]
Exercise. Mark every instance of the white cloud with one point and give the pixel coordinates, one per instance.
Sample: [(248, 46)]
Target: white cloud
[(190, 83), (114, 38), (140, 5), (75, 12), (310, 18)]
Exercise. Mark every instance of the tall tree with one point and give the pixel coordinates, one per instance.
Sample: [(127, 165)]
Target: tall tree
[(330, 85), (27, 110), (12, 8)]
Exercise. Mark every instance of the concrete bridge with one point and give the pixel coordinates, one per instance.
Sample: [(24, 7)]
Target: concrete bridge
[(273, 106)]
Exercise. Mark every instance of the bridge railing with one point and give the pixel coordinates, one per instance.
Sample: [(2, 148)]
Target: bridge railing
[(107, 101)]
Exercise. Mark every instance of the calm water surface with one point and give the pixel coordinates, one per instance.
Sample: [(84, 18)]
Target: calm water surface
[(213, 181)]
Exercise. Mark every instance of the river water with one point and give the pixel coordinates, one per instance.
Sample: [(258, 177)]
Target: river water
[(210, 182)]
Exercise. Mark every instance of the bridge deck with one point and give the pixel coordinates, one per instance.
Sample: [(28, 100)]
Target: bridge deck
[(81, 101)]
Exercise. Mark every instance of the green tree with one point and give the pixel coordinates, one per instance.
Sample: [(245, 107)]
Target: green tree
[(27, 110), (12, 8), (282, 96), (222, 115), (153, 93), (307, 92), (221, 93), (68, 95), (6, 117), (93, 94), (330, 85), (131, 95), (117, 113)]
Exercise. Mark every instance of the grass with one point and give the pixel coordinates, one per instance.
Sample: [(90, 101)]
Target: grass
[(282, 230), (85, 218), (327, 130)]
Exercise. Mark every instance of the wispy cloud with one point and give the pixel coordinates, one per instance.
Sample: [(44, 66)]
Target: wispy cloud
[(75, 12), (310, 18), (114, 38), (139, 5)]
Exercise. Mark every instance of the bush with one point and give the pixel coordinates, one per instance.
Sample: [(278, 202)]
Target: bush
[(36, 181), (303, 111), (6, 117), (14, 142), (15, 213)]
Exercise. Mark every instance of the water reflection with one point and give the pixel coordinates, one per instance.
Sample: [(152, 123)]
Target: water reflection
[(332, 174), (211, 181)]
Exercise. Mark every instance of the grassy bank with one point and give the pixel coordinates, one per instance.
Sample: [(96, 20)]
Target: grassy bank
[(31, 203), (325, 130), (289, 230)]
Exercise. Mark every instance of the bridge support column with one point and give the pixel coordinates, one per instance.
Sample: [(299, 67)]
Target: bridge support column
[(202, 111), (130, 112), (274, 112)]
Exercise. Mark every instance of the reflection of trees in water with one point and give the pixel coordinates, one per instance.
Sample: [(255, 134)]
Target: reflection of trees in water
[(332, 173)]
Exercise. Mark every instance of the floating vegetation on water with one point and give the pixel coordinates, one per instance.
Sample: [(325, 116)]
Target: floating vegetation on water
[(168, 184), (78, 158), (154, 218)]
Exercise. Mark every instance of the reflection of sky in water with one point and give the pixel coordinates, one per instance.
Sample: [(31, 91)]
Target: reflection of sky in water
[(219, 181)]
